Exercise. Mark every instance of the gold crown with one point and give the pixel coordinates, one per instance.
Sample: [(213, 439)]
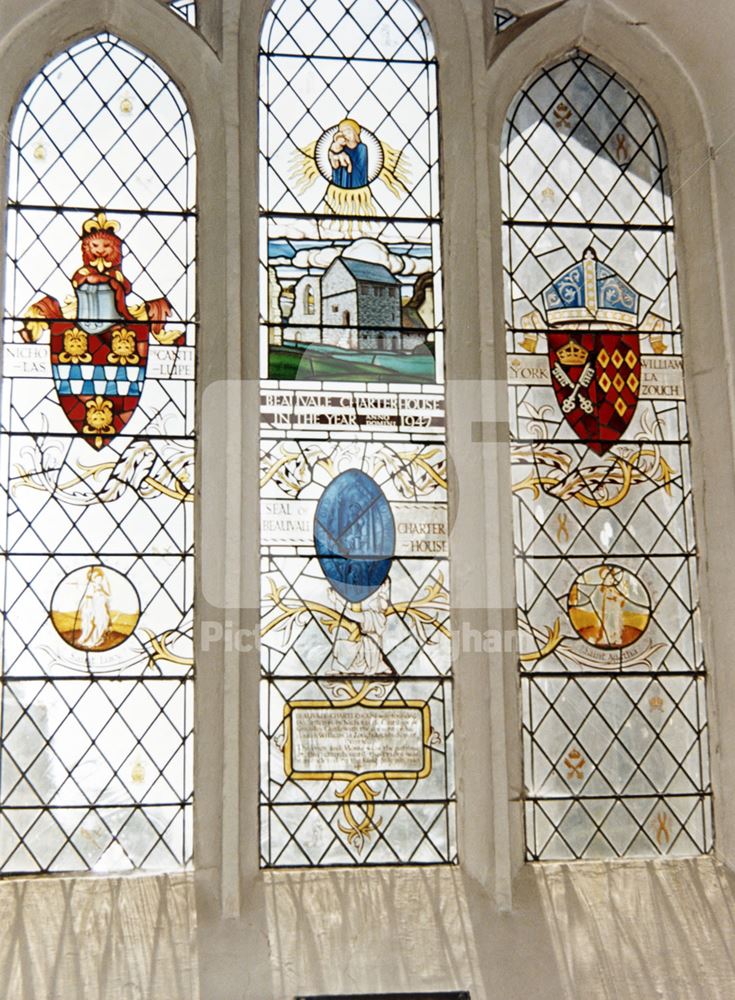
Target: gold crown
[(572, 353), (100, 223)]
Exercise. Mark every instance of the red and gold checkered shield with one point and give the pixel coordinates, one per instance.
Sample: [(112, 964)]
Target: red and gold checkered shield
[(596, 378)]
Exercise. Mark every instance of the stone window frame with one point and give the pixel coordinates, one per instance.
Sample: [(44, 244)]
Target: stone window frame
[(480, 75)]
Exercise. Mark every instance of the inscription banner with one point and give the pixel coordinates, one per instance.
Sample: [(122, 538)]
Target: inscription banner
[(421, 528), (34, 361), (661, 378), (296, 410)]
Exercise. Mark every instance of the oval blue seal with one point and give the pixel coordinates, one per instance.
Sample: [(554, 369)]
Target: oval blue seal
[(354, 535)]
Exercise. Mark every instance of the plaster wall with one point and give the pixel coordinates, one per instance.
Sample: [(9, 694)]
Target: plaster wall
[(629, 931)]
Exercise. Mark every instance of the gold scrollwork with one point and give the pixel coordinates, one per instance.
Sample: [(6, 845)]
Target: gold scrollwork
[(140, 468), (434, 599), (175, 489), (291, 471), (415, 473), (551, 639), (600, 486), (357, 830), (162, 652)]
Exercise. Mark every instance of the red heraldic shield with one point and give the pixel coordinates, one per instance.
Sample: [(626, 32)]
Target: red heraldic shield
[(98, 377), (596, 378), (99, 344)]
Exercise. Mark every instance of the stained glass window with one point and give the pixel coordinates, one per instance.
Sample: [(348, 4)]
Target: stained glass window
[(186, 9), (97, 444), (503, 18), (356, 729), (611, 667)]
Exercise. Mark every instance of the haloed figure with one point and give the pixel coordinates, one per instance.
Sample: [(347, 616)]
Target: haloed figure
[(348, 156), (95, 609)]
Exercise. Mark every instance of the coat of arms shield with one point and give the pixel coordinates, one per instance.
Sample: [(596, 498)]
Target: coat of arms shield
[(98, 343), (594, 351)]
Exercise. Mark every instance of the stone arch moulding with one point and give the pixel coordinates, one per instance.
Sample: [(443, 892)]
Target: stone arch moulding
[(665, 87), (32, 39)]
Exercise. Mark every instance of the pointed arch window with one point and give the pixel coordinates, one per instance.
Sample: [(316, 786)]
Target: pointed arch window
[(611, 669), (356, 731), (97, 446)]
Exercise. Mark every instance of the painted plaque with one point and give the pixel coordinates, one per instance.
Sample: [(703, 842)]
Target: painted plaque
[(327, 740)]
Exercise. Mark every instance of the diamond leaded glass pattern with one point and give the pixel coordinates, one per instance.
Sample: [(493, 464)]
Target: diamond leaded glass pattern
[(97, 453), (186, 9), (356, 715), (611, 669)]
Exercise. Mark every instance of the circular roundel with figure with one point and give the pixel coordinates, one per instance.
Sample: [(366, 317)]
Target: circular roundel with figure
[(609, 607), (354, 535), (95, 608), (348, 155)]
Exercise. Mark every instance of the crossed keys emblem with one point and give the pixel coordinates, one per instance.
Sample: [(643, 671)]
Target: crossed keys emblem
[(596, 375), (583, 382)]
